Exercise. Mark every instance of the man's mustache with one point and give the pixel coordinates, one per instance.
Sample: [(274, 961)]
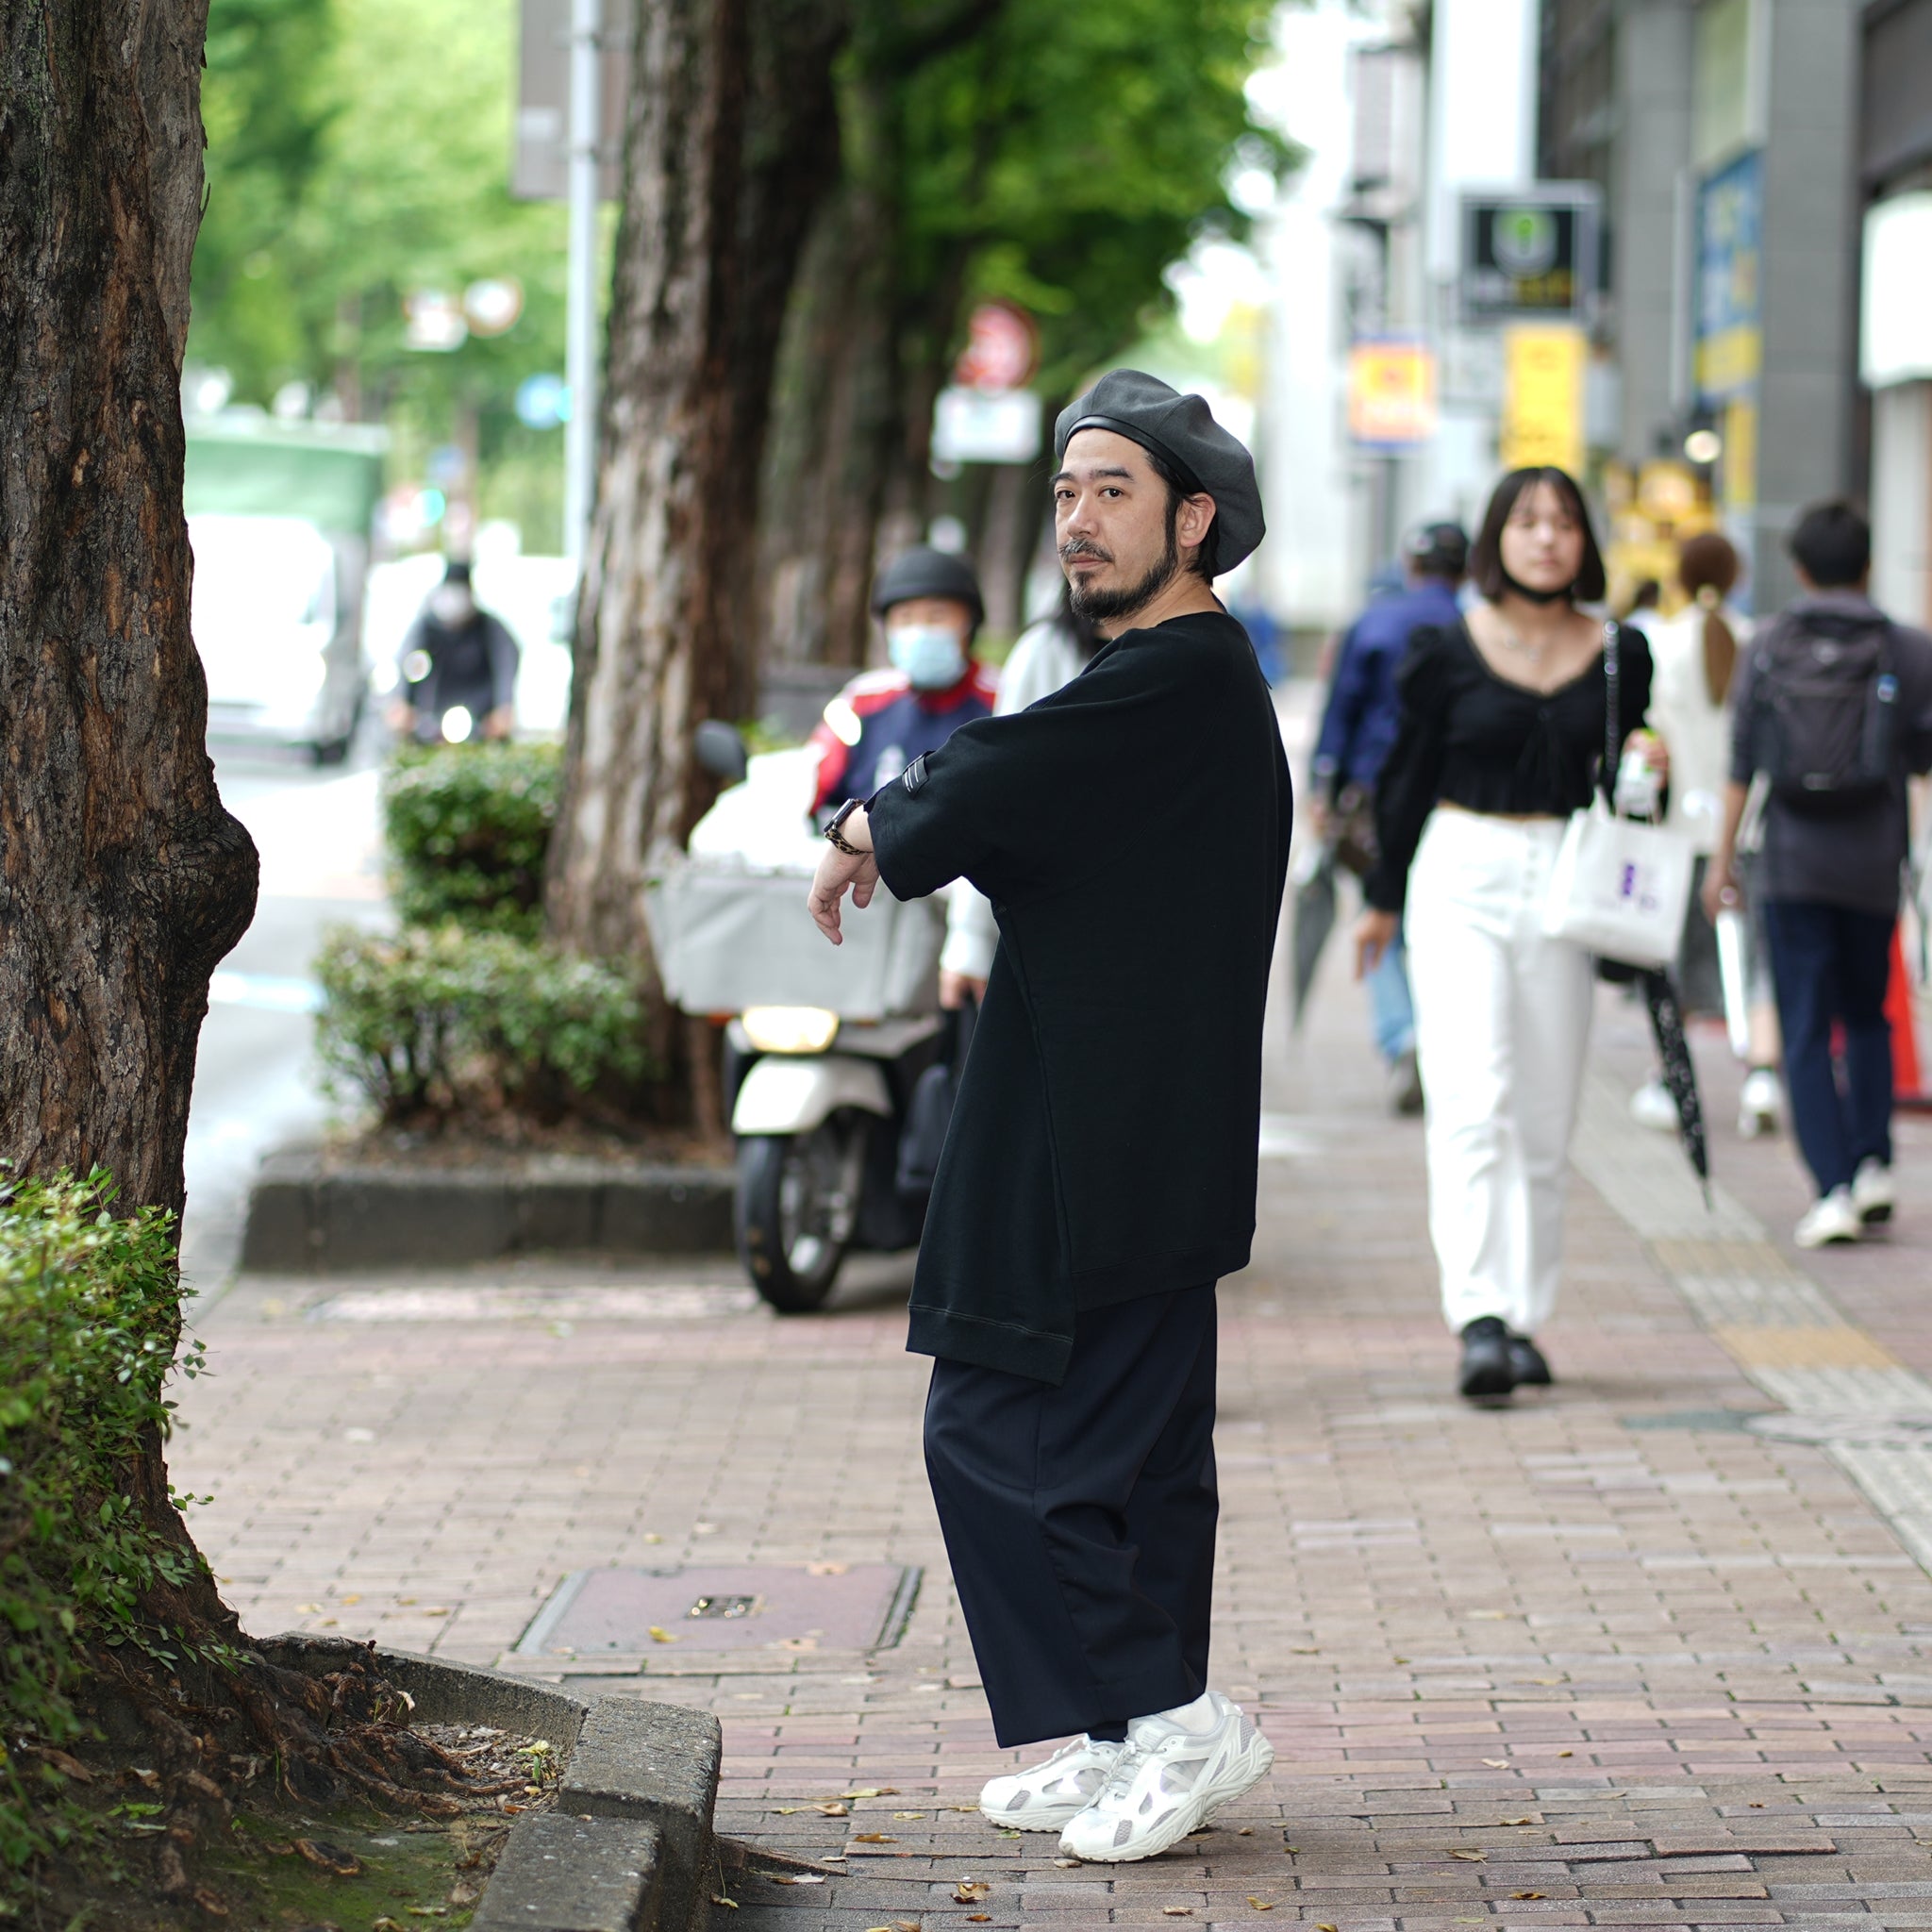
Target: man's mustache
[(1079, 546)]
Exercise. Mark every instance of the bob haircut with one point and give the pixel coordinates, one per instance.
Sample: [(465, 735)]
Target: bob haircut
[(1485, 554)]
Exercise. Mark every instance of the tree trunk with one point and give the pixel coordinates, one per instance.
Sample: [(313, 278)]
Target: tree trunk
[(731, 142), (122, 879)]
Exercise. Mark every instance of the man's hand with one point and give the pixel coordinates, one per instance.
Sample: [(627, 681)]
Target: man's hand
[(1720, 892), (500, 723), (956, 987), (1375, 933), (839, 870)]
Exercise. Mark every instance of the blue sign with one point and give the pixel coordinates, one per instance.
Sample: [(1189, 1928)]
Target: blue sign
[(1730, 226), (542, 402)]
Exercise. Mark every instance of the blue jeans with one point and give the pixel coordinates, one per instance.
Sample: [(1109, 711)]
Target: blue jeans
[(1392, 1013), (1831, 964)]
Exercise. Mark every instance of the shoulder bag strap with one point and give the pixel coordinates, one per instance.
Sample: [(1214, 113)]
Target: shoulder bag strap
[(1613, 740)]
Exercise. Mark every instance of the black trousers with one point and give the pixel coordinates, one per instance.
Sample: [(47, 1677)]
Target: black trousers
[(1080, 1519)]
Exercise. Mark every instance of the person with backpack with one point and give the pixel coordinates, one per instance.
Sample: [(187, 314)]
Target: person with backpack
[(1832, 712)]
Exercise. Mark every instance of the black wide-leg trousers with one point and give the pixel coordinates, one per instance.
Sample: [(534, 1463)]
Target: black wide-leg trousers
[(1080, 1519)]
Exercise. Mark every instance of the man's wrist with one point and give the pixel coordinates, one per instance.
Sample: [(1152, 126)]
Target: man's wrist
[(849, 830)]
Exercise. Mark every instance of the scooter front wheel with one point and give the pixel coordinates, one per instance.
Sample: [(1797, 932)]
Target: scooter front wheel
[(797, 1207)]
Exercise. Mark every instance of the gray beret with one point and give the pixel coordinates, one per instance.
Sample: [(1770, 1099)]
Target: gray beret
[(1182, 431)]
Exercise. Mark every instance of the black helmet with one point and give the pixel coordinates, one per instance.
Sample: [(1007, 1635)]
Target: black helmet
[(922, 572)]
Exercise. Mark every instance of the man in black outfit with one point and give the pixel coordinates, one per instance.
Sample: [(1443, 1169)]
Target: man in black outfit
[(1131, 832)]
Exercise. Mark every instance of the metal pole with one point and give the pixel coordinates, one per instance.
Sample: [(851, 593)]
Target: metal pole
[(580, 348)]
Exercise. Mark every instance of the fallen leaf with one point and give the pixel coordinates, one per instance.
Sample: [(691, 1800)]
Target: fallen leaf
[(436, 1611), (1473, 1858), (407, 1600), (66, 1766), (833, 1810), (979, 1918), (718, 1898), (651, 1536), (1262, 1904), (1518, 1821), (1176, 1911), (1067, 1864), (356, 1599), (660, 1635), (1757, 1804), (827, 1569), (1398, 1660), (873, 1791), (796, 1877), (212, 1903), (969, 1891), (463, 1893), (1497, 1763), (1528, 1894), (152, 1779), (1247, 1831), (329, 1857), (909, 1814), (308, 1609), (1325, 1926), (872, 1837), (958, 1808), (1305, 1650), (786, 1810), (1566, 1753), (1546, 1680)]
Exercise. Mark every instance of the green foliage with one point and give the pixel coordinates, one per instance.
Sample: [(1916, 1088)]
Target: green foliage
[(433, 1020), (467, 827), (1063, 154), (358, 151), (89, 1313)]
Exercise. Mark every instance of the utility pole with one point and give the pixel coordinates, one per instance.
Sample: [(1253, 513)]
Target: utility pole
[(580, 347)]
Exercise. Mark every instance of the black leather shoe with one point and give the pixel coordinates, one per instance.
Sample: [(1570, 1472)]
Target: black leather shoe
[(1488, 1367), (1526, 1362)]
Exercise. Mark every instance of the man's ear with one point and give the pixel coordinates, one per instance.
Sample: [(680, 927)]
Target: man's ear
[(1193, 519)]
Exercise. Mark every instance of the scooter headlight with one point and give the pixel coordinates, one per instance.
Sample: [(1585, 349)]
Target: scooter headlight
[(789, 1029)]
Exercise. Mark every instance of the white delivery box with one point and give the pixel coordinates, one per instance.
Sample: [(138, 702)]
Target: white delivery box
[(729, 924)]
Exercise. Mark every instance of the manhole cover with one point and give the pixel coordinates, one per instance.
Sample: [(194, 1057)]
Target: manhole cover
[(1880, 1431), (749, 1607)]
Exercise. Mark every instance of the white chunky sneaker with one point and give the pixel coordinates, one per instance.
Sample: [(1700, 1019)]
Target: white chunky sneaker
[(1759, 1104), (1651, 1106), (1045, 1796), (1833, 1218), (1872, 1194), (1167, 1783)]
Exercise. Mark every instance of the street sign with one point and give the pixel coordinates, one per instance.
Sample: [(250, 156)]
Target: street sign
[(1392, 393), (1542, 398), (539, 157), (1002, 348), (971, 426), (1730, 248), (1530, 254)]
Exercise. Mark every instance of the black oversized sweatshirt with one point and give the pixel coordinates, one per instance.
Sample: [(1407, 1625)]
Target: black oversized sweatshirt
[(1131, 832)]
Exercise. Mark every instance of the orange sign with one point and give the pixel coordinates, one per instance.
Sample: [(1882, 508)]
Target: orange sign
[(1392, 393)]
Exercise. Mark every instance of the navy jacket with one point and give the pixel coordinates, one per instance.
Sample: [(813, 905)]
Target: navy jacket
[(1364, 706)]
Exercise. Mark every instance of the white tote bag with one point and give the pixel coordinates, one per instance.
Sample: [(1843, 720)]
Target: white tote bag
[(1619, 888)]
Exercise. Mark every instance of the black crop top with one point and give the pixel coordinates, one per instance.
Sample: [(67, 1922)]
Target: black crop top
[(1474, 739)]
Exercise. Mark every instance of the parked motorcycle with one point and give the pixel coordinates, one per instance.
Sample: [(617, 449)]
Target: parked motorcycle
[(834, 1057)]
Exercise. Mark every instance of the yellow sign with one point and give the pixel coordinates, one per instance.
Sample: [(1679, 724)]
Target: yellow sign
[(1392, 393), (1741, 454), (1542, 398)]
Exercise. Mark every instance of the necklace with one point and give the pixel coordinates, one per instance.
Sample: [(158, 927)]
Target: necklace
[(1510, 641)]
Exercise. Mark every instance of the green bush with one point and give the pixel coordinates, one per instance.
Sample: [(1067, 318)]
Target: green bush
[(431, 1020), (88, 1319), (467, 827)]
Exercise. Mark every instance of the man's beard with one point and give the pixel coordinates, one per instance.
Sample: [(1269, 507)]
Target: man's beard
[(1099, 607)]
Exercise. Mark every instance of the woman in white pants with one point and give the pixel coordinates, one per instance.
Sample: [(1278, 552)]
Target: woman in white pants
[(1500, 738)]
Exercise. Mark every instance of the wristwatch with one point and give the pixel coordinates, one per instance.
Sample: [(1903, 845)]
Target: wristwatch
[(835, 833)]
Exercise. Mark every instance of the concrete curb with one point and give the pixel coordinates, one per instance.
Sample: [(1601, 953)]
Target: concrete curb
[(629, 1848), (307, 1216)]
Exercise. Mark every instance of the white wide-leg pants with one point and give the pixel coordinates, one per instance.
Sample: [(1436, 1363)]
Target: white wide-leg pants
[(1502, 1023)]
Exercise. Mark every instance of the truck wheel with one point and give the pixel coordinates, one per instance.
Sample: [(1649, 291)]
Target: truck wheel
[(796, 1209)]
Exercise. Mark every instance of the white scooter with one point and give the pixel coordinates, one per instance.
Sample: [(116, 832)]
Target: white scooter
[(827, 1049)]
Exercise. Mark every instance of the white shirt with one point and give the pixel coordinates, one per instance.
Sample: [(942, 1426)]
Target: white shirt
[(1697, 732), (1044, 659)]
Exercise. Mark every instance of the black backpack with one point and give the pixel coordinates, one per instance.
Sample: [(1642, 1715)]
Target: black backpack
[(1824, 710)]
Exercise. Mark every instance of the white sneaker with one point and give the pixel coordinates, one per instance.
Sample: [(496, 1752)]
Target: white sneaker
[(1168, 1782), (1651, 1106), (1872, 1192), (1833, 1219), (1759, 1104), (1045, 1796)]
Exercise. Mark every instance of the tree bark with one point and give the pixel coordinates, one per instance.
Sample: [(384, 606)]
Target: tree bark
[(122, 879), (731, 141)]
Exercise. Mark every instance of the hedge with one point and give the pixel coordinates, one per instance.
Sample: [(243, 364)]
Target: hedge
[(430, 1021), (467, 827), (87, 1317)]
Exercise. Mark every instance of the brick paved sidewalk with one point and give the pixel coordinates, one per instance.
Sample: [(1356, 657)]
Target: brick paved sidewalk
[(1605, 1657)]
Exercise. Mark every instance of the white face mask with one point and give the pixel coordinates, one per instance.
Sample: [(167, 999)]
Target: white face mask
[(931, 655), (451, 605)]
